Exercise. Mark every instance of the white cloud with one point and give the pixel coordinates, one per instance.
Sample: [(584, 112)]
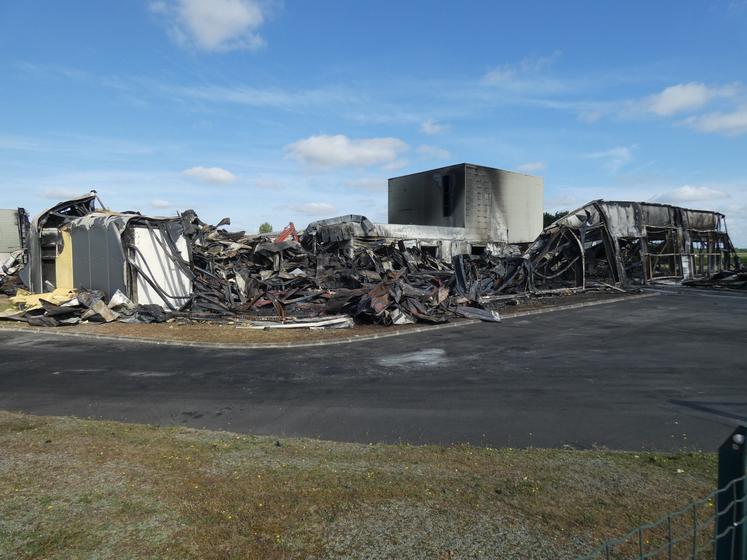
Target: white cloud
[(614, 158), (431, 127), (673, 100), (214, 25), (160, 203), (433, 152), (210, 174), (682, 97), (531, 167), (263, 97), (340, 151), (314, 209), (369, 184), (730, 124), (688, 193)]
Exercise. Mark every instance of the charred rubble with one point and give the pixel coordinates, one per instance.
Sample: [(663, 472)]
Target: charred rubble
[(347, 267), (325, 271)]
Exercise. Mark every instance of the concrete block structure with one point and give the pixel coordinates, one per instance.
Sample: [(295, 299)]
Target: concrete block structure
[(490, 205)]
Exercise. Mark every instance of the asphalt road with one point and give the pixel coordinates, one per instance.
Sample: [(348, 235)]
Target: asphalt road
[(667, 372)]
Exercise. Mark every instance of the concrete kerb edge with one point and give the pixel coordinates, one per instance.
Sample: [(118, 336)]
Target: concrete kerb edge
[(270, 345)]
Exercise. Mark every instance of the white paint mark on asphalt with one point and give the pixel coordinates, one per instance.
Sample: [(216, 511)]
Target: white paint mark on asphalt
[(430, 357), (77, 371), (151, 373)]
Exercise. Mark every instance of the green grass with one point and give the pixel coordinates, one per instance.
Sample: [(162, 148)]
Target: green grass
[(72, 488)]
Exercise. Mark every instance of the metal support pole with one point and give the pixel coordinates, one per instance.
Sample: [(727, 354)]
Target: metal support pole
[(732, 518)]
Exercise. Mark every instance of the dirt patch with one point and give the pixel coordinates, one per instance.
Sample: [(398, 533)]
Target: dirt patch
[(235, 334)]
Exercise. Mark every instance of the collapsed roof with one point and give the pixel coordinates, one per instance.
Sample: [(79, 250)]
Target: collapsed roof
[(349, 265), (630, 243)]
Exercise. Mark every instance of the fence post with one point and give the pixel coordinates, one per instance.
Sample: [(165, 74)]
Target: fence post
[(732, 464)]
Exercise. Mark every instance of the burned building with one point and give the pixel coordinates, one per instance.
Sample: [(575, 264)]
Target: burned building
[(78, 244), (483, 204), (627, 244)]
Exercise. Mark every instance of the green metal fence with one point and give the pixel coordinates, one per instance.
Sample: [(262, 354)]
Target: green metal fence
[(713, 527)]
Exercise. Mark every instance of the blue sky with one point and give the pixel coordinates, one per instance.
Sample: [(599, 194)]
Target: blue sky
[(279, 111)]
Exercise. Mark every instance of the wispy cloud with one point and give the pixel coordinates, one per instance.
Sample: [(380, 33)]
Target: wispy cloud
[(687, 194), (730, 124), (216, 175), (315, 209), (528, 75), (160, 203), (681, 97), (324, 151), (614, 158), (213, 25), (673, 100), (63, 193), (433, 152), (532, 167), (375, 184), (269, 183), (431, 127), (262, 97)]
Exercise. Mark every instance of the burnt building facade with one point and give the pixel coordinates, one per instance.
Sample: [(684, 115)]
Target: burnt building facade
[(490, 205)]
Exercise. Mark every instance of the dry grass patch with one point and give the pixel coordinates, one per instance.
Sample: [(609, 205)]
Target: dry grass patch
[(73, 488)]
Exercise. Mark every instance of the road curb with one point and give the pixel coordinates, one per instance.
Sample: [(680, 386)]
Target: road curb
[(576, 305), (363, 338)]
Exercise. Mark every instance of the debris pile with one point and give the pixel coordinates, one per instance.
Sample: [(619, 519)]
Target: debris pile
[(325, 273), (70, 307), (724, 280), (10, 269), (341, 269)]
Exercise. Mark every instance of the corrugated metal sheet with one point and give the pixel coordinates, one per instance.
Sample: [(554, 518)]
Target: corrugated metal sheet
[(98, 258)]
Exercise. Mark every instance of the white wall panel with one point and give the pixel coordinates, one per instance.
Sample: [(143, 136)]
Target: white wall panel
[(154, 261)]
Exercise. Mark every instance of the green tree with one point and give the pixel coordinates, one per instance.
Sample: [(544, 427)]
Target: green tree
[(265, 228), (549, 217)]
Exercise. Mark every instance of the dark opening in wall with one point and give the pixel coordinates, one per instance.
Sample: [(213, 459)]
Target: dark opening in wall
[(430, 250), (448, 196), (477, 250)]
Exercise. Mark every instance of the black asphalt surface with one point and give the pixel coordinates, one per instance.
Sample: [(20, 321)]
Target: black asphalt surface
[(667, 372)]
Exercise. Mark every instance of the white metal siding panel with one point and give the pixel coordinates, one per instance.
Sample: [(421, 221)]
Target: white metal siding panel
[(520, 200), (153, 260)]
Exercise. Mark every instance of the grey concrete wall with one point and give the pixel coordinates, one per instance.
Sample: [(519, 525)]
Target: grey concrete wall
[(493, 205), (503, 206), (520, 198), (419, 198)]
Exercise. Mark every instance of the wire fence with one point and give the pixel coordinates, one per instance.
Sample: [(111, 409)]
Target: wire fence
[(706, 529)]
